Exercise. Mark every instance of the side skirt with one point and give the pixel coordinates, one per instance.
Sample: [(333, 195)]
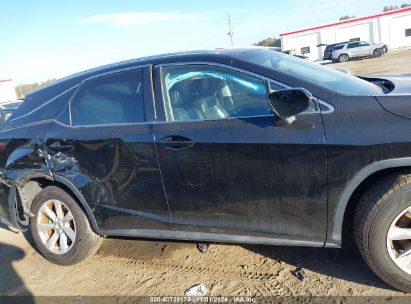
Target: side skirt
[(210, 237)]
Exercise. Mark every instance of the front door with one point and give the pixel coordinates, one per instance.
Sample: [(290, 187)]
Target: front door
[(229, 165)]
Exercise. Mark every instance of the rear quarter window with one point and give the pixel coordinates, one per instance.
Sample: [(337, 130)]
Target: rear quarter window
[(50, 109)]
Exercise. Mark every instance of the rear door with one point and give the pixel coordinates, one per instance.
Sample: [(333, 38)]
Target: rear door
[(229, 165), (107, 142)]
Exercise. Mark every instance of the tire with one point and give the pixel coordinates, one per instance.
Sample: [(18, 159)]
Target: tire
[(79, 242), (378, 53), (343, 58), (376, 219)]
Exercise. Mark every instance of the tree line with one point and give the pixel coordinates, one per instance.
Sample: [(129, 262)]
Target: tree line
[(23, 89), (386, 8)]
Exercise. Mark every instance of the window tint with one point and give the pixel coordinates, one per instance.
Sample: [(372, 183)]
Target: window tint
[(111, 99), (48, 110), (408, 32), (305, 50), (338, 47), (353, 45), (362, 43), (196, 92), (312, 72)]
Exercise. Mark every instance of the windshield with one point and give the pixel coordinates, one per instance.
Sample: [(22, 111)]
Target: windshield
[(312, 72)]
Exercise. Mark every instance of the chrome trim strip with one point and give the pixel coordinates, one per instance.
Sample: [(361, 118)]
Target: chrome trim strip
[(229, 67), (134, 67), (330, 108)]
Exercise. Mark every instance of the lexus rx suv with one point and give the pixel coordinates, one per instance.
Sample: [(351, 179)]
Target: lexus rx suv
[(237, 145)]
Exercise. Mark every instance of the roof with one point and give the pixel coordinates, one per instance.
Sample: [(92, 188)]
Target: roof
[(393, 12)]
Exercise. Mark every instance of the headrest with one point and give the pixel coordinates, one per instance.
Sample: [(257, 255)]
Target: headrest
[(206, 86), (175, 98)]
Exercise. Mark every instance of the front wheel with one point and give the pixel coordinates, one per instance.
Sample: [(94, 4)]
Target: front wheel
[(378, 53), (383, 230), (60, 228)]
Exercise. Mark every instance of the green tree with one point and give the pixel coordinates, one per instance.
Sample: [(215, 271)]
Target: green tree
[(388, 8), (405, 5), (269, 42), (23, 89), (346, 17)]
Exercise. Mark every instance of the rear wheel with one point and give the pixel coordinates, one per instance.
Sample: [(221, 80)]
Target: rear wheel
[(343, 58), (60, 228), (383, 230), (378, 53)]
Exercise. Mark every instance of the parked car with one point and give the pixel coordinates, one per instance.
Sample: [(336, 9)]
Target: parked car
[(7, 108), (329, 49), (235, 145), (357, 49)]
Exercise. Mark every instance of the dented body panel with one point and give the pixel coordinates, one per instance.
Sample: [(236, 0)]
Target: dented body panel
[(256, 179)]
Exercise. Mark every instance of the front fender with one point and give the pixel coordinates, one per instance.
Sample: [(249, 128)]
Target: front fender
[(335, 237)]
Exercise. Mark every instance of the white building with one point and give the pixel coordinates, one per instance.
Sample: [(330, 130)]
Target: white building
[(392, 28), (7, 91)]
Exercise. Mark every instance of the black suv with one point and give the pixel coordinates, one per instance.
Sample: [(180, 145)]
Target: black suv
[(238, 145)]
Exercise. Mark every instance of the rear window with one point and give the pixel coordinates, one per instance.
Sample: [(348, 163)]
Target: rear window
[(112, 99)]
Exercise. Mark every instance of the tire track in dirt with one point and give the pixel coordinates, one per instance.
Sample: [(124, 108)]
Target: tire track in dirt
[(261, 282)]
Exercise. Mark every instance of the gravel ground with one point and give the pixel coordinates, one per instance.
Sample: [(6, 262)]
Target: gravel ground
[(131, 267)]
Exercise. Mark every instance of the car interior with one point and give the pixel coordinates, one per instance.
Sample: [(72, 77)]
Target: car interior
[(213, 97)]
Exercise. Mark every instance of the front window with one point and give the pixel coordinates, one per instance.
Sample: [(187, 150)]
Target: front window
[(198, 92), (312, 72)]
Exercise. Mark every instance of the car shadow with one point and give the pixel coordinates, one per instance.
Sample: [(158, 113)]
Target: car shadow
[(12, 287), (345, 263)]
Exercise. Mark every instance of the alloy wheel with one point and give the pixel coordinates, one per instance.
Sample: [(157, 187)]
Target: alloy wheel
[(56, 226), (377, 53), (343, 58), (399, 240)]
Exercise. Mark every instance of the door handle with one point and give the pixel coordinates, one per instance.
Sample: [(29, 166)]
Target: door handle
[(61, 148), (176, 142)]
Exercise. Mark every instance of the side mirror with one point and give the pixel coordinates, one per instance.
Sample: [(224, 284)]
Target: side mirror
[(290, 102)]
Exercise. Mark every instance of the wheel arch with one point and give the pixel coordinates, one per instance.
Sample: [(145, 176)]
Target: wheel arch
[(34, 183), (355, 188)]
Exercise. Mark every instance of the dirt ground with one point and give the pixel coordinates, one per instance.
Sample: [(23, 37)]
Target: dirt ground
[(395, 62), (131, 267)]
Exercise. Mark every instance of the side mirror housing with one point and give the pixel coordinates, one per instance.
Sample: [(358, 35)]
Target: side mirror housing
[(290, 102)]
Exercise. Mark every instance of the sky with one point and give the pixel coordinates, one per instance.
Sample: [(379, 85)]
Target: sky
[(47, 39)]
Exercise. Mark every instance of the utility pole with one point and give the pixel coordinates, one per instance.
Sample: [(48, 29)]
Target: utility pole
[(230, 30)]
